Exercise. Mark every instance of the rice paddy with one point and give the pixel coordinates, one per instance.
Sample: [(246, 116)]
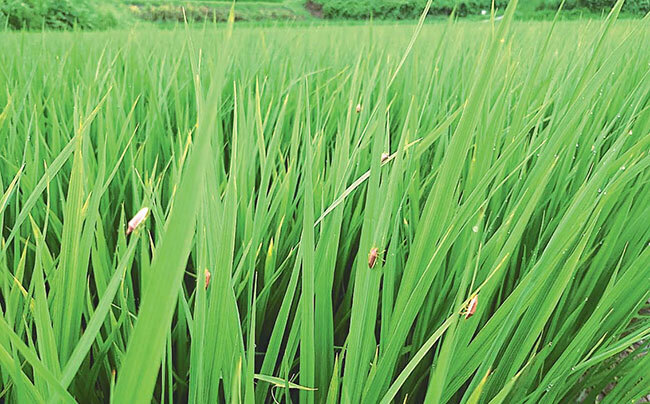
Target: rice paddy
[(444, 213)]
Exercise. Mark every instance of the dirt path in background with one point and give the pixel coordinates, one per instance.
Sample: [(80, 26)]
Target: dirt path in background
[(314, 9)]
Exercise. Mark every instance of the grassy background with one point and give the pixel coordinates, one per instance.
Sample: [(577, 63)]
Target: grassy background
[(59, 14), (518, 172), (163, 12), (103, 14), (411, 9)]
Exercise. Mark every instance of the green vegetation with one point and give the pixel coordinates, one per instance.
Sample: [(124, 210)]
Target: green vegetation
[(215, 11), (102, 14), (86, 14), (403, 9), (410, 9), (56, 14), (633, 6), (496, 160)]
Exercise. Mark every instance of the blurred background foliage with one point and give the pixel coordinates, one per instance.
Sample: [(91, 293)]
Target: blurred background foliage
[(104, 14), (58, 14), (410, 9)]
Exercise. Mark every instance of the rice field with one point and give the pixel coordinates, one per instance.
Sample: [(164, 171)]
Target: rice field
[(444, 213)]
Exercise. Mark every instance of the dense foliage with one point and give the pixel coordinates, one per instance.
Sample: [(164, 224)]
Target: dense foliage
[(410, 9), (403, 9), (202, 13), (55, 14), (631, 6), (336, 214)]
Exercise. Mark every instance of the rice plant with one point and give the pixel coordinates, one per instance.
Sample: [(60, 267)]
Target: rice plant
[(444, 213)]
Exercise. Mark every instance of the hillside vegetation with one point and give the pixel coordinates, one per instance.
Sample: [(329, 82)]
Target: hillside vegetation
[(410, 9), (102, 14), (57, 14)]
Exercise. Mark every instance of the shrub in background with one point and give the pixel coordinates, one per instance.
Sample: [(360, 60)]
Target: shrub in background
[(555, 4), (403, 9), (165, 13), (55, 14), (631, 6), (409, 9)]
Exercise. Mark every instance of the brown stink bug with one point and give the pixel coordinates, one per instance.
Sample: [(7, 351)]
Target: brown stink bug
[(471, 307), (372, 257)]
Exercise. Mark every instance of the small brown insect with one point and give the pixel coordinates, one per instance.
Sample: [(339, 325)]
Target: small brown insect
[(471, 307), (358, 108), (384, 156), (372, 257), (207, 278)]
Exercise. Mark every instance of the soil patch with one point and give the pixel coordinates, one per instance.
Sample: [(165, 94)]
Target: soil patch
[(315, 9)]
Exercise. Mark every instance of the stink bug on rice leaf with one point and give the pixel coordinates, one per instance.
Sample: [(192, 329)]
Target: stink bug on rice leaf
[(372, 257), (471, 307)]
